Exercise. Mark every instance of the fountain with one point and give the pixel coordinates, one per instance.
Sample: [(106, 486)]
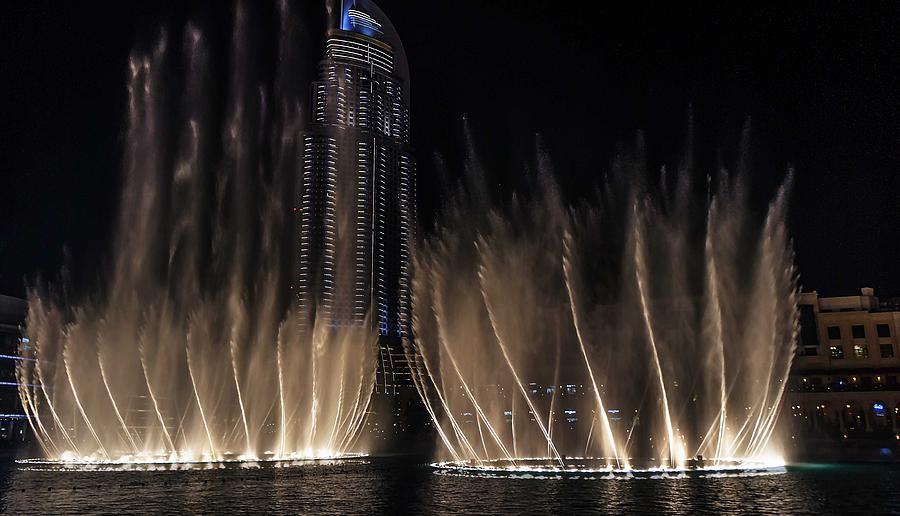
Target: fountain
[(637, 331), (191, 351)]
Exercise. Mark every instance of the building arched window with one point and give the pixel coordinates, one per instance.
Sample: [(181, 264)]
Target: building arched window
[(823, 421), (854, 418)]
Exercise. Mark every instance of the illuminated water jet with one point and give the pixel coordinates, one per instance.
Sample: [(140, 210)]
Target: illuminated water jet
[(635, 329), (193, 351)]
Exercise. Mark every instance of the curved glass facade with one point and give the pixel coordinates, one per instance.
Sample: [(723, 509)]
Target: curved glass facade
[(357, 204)]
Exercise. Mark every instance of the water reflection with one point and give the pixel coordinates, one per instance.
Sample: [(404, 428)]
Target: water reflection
[(391, 486)]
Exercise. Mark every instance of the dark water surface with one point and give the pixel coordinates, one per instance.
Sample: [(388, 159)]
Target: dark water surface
[(400, 486)]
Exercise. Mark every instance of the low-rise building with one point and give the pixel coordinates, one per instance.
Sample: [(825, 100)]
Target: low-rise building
[(844, 389), (13, 424)]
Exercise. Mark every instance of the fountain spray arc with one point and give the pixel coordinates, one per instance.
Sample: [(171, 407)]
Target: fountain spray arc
[(192, 352), (638, 330)]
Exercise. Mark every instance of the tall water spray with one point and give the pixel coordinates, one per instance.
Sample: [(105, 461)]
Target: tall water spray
[(191, 351), (643, 328)]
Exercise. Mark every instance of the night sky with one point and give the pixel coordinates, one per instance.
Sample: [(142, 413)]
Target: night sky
[(819, 82)]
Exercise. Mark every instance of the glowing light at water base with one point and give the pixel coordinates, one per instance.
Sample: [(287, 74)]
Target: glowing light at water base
[(188, 457), (588, 467), (161, 463)]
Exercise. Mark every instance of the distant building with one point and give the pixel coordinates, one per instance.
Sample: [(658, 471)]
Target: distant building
[(13, 423), (844, 387), (357, 203)]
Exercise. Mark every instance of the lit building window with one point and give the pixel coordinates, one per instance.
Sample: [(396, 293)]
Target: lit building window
[(837, 352), (860, 351)]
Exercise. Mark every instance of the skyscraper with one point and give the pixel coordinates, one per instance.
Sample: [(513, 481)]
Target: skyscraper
[(356, 192)]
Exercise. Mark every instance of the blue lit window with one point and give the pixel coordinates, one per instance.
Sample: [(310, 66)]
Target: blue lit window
[(360, 21), (878, 409)]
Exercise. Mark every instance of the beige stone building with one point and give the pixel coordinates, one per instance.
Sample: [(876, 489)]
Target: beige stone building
[(844, 388)]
